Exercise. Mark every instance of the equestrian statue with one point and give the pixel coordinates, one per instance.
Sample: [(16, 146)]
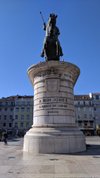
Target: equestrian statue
[(51, 45)]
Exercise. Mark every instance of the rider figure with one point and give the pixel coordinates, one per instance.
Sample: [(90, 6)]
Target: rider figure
[(52, 33)]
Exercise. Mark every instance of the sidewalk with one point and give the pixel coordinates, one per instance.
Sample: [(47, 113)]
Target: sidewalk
[(15, 164)]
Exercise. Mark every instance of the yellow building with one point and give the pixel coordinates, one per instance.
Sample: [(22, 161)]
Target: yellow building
[(23, 113)]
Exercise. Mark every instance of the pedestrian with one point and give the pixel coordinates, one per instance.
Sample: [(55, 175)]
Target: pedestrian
[(5, 136)]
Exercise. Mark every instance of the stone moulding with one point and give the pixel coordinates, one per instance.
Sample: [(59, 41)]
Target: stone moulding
[(43, 66)]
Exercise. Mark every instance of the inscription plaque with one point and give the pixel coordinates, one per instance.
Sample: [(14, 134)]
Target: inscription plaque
[(52, 85), (53, 103)]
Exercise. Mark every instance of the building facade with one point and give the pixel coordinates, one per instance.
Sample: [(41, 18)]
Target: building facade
[(96, 104), (23, 113), (84, 110), (16, 113), (7, 113)]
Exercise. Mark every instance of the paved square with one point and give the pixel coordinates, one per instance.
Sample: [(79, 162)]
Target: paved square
[(16, 164)]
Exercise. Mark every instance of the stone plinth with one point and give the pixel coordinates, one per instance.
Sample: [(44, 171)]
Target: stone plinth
[(54, 129)]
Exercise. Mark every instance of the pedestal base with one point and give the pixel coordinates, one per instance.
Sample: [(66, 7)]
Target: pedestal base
[(54, 128), (54, 140)]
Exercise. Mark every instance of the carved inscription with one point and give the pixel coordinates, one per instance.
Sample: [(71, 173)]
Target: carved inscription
[(53, 99), (49, 72), (53, 72), (53, 104)]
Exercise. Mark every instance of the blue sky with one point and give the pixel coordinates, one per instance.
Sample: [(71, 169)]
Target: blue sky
[(21, 39)]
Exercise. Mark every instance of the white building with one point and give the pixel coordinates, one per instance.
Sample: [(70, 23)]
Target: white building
[(96, 104), (84, 111)]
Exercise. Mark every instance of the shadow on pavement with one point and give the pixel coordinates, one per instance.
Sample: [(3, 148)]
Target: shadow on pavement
[(14, 140), (91, 150)]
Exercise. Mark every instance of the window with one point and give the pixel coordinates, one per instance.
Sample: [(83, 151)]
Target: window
[(16, 116), (10, 124), (78, 117), (4, 124), (28, 102), (11, 109), (0, 116), (17, 109), (78, 103), (16, 124), (28, 117), (80, 123), (11, 116), (6, 103), (12, 103), (22, 116), (90, 115), (28, 109), (27, 124), (91, 124), (90, 103), (85, 124), (97, 97), (23, 103), (5, 117), (21, 124), (22, 109), (5, 109), (17, 103), (0, 103)]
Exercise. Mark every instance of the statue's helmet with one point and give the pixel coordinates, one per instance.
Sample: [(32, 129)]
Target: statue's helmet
[(52, 18), (53, 15)]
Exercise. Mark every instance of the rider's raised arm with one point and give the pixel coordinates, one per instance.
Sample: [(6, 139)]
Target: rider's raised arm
[(44, 26)]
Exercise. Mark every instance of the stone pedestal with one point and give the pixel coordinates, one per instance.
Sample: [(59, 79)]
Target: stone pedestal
[(54, 129)]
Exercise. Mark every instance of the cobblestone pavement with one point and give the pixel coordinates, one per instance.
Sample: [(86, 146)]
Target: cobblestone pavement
[(16, 164)]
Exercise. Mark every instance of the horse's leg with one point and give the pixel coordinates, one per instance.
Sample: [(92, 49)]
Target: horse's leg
[(46, 50), (57, 49), (60, 53)]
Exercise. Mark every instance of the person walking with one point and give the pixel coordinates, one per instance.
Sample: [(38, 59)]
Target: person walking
[(5, 136)]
